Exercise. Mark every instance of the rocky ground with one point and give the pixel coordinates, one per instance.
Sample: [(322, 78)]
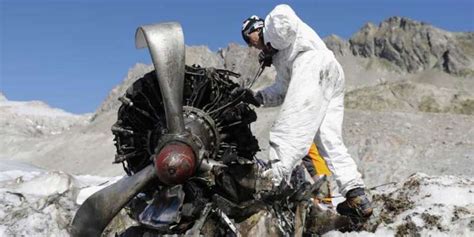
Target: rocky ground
[(409, 108)]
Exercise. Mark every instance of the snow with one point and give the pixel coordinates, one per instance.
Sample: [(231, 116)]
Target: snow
[(36, 118), (41, 203), (422, 206), (50, 138), (378, 232), (2, 97), (33, 108)]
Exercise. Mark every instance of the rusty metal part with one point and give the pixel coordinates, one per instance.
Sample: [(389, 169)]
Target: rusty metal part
[(175, 163)]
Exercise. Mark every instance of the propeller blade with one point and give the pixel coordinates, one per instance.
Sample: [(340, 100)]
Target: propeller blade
[(165, 42), (100, 208)]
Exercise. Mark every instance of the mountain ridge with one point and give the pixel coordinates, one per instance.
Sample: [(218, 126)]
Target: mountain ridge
[(411, 45)]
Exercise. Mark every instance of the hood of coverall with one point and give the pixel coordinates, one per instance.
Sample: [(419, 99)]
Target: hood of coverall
[(285, 31)]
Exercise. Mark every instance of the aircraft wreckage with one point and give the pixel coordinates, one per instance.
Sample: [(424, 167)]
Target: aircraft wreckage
[(183, 137)]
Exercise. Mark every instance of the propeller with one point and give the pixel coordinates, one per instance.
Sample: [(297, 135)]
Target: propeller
[(175, 154)]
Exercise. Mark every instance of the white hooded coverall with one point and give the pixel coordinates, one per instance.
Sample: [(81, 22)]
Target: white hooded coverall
[(309, 86)]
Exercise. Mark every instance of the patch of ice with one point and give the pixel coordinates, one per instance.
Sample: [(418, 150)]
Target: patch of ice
[(380, 232), (13, 165), (42, 203), (45, 185)]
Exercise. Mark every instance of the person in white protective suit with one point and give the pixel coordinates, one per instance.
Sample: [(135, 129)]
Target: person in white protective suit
[(309, 86)]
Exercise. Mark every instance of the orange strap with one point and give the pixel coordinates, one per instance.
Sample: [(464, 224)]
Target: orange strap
[(318, 161), (321, 168)]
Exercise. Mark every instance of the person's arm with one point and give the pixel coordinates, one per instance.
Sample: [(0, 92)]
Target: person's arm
[(274, 95)]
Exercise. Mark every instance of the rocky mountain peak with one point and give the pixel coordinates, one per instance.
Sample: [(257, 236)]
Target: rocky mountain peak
[(414, 46), (368, 27), (338, 45), (401, 22)]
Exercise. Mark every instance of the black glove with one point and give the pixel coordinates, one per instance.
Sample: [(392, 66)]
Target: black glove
[(248, 96), (265, 58), (266, 55)]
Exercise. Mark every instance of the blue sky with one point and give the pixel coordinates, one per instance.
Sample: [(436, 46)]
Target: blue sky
[(71, 53)]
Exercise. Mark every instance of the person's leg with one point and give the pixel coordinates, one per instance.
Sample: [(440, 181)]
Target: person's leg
[(331, 146), (343, 167)]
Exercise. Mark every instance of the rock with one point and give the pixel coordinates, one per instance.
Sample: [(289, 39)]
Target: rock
[(111, 103), (242, 60), (410, 97), (362, 43), (408, 125), (415, 46), (201, 55), (339, 46)]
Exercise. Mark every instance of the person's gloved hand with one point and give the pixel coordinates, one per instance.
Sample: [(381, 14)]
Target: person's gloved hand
[(275, 174), (269, 177), (248, 96), (265, 58), (271, 184)]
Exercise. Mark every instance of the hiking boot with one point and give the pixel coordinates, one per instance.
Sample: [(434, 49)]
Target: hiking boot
[(357, 205)]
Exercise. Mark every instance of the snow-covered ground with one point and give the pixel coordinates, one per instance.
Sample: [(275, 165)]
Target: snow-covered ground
[(423, 206), (35, 133), (35, 202), (35, 118)]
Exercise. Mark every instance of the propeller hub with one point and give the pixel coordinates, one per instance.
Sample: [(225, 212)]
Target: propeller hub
[(175, 163)]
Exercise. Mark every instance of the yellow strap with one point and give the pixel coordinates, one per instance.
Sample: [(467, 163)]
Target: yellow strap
[(318, 161), (321, 168)]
